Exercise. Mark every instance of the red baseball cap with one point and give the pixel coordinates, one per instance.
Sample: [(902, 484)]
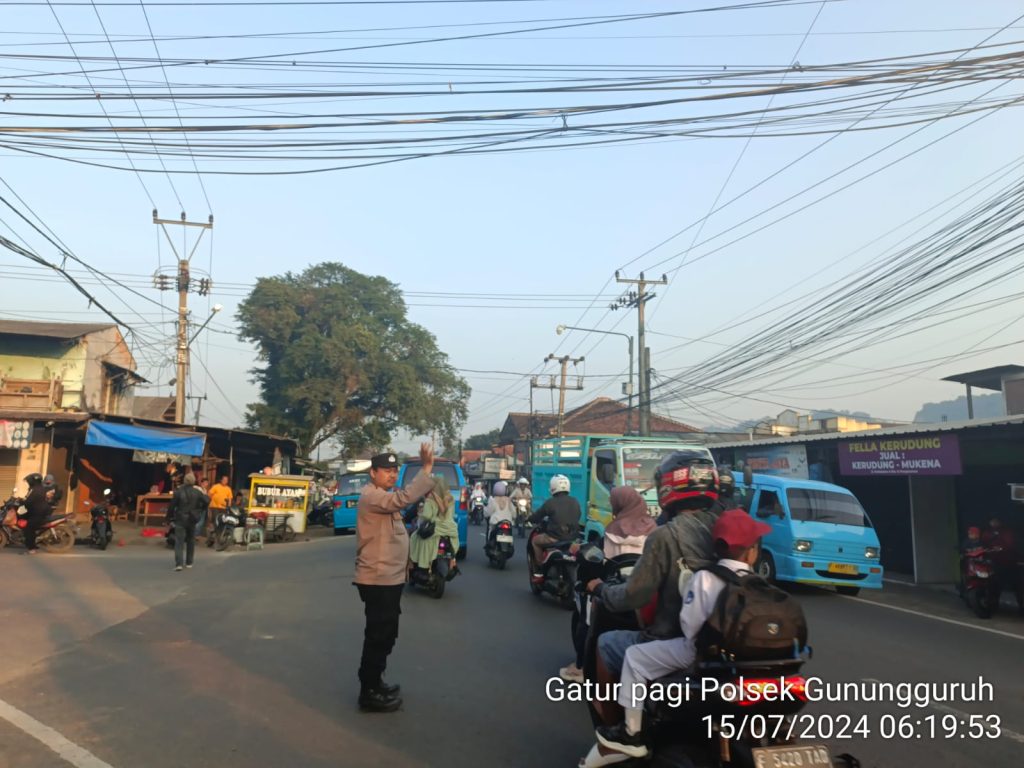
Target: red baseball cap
[(738, 529)]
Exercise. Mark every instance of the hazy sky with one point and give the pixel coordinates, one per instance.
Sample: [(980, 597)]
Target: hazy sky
[(548, 226)]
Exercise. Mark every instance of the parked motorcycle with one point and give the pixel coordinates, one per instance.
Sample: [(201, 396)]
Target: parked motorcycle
[(224, 533), (101, 531), (980, 587), (556, 573), (476, 512), (522, 513), (695, 724), (321, 514), (434, 578), (57, 533), (500, 545)]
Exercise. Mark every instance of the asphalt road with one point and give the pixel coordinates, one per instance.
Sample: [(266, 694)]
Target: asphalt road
[(249, 659)]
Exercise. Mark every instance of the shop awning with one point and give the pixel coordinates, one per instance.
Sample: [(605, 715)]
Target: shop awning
[(133, 437)]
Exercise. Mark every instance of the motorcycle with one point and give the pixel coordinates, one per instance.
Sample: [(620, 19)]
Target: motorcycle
[(434, 578), (500, 545), (979, 586), (476, 512), (321, 514), (556, 573), (224, 533), (694, 722), (522, 512), (56, 534), (101, 531)]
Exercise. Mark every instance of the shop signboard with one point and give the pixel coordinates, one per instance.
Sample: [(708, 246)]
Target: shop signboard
[(778, 460), (905, 455)]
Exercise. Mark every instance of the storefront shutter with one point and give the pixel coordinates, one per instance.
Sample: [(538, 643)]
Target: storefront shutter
[(8, 471)]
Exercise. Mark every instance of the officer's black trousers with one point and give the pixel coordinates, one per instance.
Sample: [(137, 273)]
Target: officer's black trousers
[(382, 606)]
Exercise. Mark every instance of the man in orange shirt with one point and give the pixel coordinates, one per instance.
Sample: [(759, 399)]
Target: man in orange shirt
[(220, 496)]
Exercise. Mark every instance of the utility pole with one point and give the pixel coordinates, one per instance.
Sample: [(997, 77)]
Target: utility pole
[(636, 299), (561, 386), (199, 404), (183, 283)]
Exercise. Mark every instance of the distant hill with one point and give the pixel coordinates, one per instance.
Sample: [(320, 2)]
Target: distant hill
[(985, 407)]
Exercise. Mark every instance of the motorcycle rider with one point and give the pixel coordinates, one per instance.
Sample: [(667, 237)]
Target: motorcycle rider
[(522, 491), (1004, 558), (499, 507), (560, 517), (37, 510), (737, 536), (687, 487)]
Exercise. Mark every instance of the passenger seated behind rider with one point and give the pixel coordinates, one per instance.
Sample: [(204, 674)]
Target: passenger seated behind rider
[(737, 544), (559, 516), (499, 507), (439, 508)]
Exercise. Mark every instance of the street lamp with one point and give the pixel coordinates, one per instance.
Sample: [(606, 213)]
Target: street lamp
[(629, 387), (216, 308)]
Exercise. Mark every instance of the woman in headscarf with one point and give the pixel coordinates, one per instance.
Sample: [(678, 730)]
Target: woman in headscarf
[(626, 533), (631, 523), (439, 508)]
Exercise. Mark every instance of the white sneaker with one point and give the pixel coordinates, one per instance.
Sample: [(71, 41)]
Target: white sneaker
[(177, 567), (571, 674), (188, 566)]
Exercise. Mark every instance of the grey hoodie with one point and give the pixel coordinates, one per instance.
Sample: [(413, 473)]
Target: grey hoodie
[(688, 536)]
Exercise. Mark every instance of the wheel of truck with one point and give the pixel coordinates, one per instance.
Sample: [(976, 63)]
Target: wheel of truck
[(765, 567)]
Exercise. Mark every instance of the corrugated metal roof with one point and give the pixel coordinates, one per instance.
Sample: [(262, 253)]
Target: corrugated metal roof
[(987, 378), (51, 330), (907, 429)]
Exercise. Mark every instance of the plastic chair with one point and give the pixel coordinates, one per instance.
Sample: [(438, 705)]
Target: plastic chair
[(254, 537)]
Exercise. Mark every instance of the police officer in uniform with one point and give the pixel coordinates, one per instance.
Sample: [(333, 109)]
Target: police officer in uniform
[(382, 561)]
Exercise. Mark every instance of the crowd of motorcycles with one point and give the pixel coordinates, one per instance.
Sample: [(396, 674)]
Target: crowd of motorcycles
[(59, 532)]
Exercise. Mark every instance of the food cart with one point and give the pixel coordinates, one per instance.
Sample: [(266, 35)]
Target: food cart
[(283, 499)]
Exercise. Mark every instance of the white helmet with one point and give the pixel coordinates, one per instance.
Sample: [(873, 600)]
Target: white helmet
[(499, 488), (559, 484), (522, 481)]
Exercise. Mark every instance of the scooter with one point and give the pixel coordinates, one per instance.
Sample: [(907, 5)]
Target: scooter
[(476, 513), (979, 586), (56, 534), (500, 545), (522, 513), (692, 715), (101, 531), (555, 574), (434, 578), (322, 514), (224, 533)]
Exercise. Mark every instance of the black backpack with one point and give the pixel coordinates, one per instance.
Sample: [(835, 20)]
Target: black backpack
[(752, 620)]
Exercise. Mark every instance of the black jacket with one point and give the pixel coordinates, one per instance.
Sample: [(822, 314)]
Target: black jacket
[(187, 505), (37, 508), (562, 513), (687, 535)]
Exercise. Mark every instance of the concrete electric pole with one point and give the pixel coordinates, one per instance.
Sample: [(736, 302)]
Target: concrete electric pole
[(637, 299), (561, 386), (183, 283)]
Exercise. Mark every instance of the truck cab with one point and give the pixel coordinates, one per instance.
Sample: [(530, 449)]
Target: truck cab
[(595, 464)]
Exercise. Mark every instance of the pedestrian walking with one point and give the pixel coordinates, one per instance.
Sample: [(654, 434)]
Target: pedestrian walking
[(187, 505), (382, 560)]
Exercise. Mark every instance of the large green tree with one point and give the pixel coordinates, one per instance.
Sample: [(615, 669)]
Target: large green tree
[(342, 363), (482, 442)]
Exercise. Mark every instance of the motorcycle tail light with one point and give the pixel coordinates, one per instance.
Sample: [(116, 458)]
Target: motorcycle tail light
[(771, 689), (505, 526), (23, 523), (336, 503)]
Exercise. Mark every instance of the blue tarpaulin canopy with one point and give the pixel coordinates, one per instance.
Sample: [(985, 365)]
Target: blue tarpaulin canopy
[(138, 438)]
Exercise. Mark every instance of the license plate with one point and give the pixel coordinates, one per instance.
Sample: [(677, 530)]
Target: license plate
[(504, 539), (842, 568), (791, 756), (351, 503)]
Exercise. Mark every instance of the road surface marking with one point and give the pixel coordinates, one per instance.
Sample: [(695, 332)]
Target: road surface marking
[(1018, 737), (933, 617), (68, 751)]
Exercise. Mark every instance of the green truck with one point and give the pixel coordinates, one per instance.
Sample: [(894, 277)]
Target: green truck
[(595, 464)]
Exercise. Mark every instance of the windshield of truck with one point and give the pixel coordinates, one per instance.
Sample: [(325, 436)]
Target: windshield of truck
[(639, 464), (352, 485), (445, 470), (826, 507)]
